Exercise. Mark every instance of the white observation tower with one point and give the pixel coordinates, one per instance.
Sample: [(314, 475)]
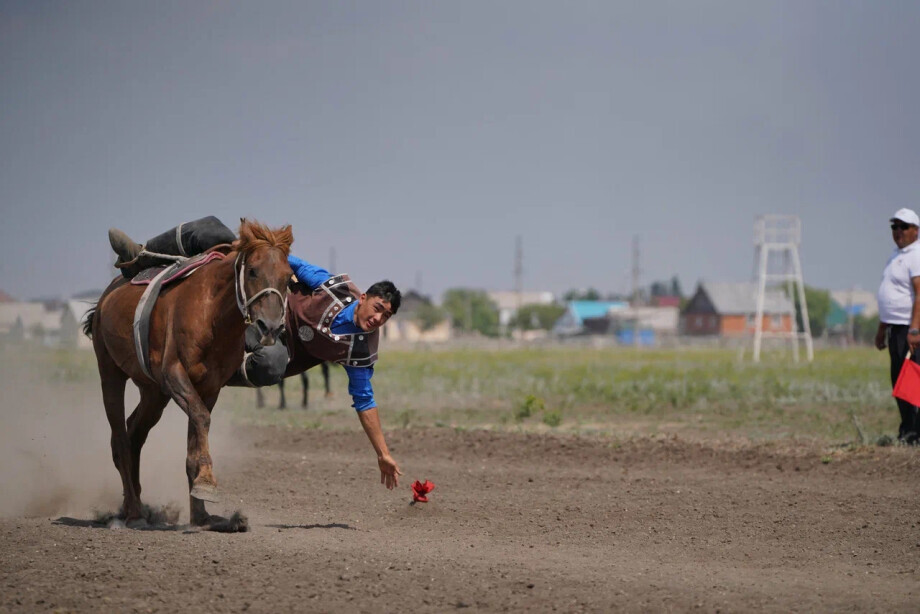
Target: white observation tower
[(776, 244)]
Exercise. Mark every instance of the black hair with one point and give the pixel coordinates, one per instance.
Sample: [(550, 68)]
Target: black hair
[(387, 291)]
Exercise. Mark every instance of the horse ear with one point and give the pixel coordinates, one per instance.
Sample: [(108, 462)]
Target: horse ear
[(287, 235), (245, 232)]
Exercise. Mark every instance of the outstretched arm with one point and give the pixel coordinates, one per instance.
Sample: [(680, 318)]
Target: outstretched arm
[(389, 470), (359, 386)]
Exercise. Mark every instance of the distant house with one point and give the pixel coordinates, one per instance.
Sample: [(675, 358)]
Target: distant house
[(31, 322), (408, 325), (845, 306), (509, 301), (72, 318), (573, 321), (856, 302), (665, 301), (649, 322), (729, 310)]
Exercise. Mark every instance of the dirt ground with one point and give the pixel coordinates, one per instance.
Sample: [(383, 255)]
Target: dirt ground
[(517, 522)]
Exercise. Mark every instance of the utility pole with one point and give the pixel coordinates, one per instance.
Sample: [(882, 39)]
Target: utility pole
[(518, 274), (851, 320), (636, 300), (635, 271)]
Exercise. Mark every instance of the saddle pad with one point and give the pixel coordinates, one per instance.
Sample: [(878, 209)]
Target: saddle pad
[(185, 269)]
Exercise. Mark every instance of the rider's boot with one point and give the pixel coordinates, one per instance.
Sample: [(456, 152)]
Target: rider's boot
[(127, 251)]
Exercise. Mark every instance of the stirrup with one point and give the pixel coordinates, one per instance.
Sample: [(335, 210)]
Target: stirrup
[(122, 265)]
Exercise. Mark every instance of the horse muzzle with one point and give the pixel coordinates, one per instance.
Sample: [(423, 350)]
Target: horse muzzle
[(269, 329)]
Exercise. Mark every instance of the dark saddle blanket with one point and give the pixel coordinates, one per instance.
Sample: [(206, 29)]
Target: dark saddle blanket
[(180, 270)]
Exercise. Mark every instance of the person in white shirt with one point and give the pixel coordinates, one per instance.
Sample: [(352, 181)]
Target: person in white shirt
[(899, 311)]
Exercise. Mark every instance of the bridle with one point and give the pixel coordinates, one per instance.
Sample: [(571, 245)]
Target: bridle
[(241, 301)]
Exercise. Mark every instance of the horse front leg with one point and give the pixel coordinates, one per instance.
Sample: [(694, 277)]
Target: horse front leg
[(198, 465), (237, 523)]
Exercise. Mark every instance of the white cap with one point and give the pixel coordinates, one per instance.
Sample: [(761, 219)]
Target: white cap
[(907, 216)]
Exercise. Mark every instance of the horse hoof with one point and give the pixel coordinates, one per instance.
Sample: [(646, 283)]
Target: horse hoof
[(205, 492)]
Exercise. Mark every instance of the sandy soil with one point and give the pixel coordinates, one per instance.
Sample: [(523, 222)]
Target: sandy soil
[(517, 523)]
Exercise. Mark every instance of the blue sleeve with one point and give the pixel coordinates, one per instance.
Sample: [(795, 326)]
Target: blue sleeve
[(359, 387), (309, 274)]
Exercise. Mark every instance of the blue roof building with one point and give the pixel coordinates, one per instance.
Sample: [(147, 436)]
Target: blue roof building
[(572, 321)]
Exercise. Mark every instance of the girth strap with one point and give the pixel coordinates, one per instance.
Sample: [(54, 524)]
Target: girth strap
[(142, 317)]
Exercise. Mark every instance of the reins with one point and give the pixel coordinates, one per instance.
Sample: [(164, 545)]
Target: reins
[(241, 301)]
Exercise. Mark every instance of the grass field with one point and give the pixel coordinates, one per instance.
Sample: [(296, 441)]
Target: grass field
[(702, 393), (709, 392)]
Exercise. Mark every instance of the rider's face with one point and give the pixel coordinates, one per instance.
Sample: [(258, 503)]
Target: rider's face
[(372, 312)]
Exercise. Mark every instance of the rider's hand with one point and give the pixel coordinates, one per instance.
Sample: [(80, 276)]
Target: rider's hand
[(389, 471)]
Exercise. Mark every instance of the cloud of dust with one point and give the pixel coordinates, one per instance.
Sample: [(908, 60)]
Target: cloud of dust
[(55, 455)]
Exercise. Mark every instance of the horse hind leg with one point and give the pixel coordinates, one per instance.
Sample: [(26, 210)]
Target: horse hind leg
[(144, 417), (305, 382), (113, 396)]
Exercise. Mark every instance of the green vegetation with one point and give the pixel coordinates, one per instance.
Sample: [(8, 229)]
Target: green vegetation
[(532, 317), (819, 306), (590, 294), (472, 311), (530, 405), (429, 316), (552, 418), (709, 392), (843, 396)]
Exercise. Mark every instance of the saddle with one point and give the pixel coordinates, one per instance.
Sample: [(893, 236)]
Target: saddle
[(155, 278), (180, 269)]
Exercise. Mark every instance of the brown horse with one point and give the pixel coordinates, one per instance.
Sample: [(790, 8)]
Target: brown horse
[(196, 344)]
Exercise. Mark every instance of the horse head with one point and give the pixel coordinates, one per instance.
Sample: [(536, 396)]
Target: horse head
[(262, 275)]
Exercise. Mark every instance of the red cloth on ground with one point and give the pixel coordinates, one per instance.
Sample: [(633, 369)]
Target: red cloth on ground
[(907, 387), (419, 490)]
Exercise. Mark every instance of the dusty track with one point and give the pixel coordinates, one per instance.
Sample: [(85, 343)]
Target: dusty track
[(517, 522)]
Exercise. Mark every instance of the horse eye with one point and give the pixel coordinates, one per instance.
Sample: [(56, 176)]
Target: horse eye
[(253, 273)]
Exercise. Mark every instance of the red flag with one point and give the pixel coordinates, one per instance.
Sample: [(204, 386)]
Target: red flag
[(419, 491), (907, 388)]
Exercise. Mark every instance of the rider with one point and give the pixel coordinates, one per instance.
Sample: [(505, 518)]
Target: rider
[(328, 319)]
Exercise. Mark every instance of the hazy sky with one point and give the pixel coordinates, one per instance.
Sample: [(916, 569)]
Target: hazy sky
[(419, 138)]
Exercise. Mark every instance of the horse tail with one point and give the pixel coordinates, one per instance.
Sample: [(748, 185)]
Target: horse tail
[(88, 320)]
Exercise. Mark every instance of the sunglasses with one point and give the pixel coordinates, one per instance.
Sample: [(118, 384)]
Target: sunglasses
[(900, 226)]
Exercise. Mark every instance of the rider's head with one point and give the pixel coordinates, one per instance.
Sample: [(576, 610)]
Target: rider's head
[(377, 305)]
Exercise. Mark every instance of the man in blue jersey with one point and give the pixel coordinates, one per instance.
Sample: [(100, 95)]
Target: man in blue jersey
[(329, 319)]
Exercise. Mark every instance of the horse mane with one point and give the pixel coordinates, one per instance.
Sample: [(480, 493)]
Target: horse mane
[(254, 235)]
